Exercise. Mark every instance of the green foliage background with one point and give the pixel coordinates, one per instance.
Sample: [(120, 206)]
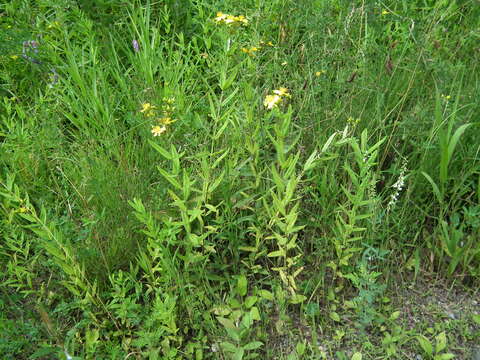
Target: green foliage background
[(241, 231)]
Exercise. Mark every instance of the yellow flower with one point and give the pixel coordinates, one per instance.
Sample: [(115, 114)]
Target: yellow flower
[(158, 130), (220, 16), (272, 101), (353, 122), (282, 92), (148, 109), (241, 19), (250, 51), (318, 73), (230, 19), (14, 57), (168, 109), (167, 120), (385, 12), (54, 24)]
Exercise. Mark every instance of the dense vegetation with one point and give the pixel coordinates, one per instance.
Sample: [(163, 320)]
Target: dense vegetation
[(219, 179)]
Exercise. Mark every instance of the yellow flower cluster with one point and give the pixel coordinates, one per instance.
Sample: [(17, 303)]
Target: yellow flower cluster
[(263, 43), (252, 50), (230, 19), (352, 121), (54, 24), (276, 98), (166, 117), (158, 130), (148, 109), (282, 92)]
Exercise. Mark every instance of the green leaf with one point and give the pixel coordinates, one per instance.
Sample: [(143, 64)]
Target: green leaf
[(217, 182), (454, 140), (446, 356), (334, 316), (435, 188), (265, 294), (476, 318), (300, 348), (227, 323), (395, 315), (310, 163), (254, 313), (91, 338), (339, 334), (228, 347), (242, 285), (425, 344), (250, 301), (441, 342), (253, 345), (161, 150), (292, 356), (171, 178), (357, 356), (248, 248), (221, 130), (247, 321), (234, 335), (328, 142), (277, 253), (297, 299), (239, 354), (72, 288), (217, 161), (312, 309)]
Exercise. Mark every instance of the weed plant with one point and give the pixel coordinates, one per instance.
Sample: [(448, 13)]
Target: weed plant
[(235, 179)]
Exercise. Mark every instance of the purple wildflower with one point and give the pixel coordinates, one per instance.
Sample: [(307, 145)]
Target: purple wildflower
[(136, 47)]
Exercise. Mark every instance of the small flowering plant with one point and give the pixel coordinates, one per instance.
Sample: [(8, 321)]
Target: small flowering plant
[(250, 51), (148, 109), (273, 100), (227, 19), (135, 45), (158, 130), (398, 187), (163, 116)]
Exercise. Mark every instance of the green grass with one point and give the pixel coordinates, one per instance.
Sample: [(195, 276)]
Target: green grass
[(303, 231)]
